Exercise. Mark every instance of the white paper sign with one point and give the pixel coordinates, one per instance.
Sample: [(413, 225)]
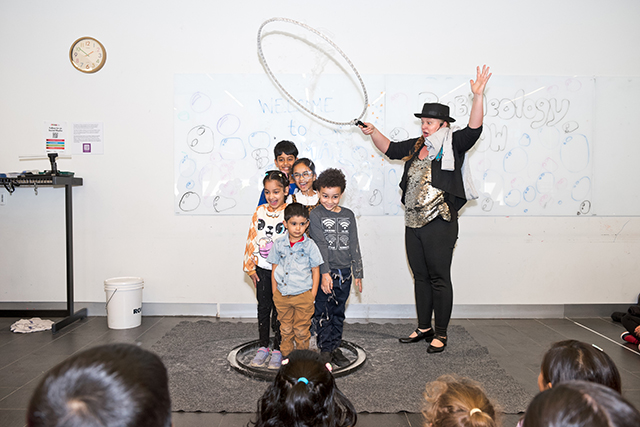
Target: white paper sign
[(88, 138), (55, 137)]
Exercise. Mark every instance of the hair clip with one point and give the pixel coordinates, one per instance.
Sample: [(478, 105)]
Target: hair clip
[(274, 172), (284, 362), (595, 346), (329, 367), (302, 380), (474, 410)]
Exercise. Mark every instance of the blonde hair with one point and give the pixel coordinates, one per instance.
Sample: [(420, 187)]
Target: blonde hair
[(416, 147), (458, 402)]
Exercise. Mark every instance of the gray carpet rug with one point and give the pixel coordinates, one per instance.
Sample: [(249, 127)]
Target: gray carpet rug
[(392, 380)]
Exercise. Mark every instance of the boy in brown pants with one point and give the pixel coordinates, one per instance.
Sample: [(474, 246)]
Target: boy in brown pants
[(295, 277)]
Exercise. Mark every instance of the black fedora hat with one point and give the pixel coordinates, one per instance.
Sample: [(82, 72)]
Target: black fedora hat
[(435, 111)]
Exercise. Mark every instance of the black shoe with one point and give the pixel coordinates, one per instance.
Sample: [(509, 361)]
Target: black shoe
[(428, 335), (339, 359), (325, 356), (432, 349)]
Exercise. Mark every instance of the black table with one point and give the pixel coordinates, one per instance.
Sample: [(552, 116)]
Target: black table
[(68, 182)]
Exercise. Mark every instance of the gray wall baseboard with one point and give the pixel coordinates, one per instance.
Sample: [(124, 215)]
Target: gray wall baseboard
[(354, 311)]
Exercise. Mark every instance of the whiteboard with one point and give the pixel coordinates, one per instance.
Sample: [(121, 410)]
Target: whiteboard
[(535, 155)]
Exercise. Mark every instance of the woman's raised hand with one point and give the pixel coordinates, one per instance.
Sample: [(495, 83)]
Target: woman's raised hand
[(482, 77)]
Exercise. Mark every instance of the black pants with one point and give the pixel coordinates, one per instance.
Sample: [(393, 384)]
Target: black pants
[(267, 313), (430, 251), (631, 322)]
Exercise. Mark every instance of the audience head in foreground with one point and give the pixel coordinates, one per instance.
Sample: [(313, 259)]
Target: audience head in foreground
[(575, 360), (112, 385), (457, 402), (580, 404), (304, 393)]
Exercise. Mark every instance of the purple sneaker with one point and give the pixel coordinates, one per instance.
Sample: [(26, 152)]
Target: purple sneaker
[(276, 360), (261, 357)]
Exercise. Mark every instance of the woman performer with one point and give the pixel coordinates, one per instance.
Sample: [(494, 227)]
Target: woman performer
[(433, 191)]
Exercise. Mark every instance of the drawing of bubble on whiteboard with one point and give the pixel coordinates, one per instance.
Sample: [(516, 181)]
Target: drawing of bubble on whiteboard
[(212, 155), (205, 188), (535, 170)]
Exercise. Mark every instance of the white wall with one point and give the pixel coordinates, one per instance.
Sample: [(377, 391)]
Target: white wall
[(123, 215)]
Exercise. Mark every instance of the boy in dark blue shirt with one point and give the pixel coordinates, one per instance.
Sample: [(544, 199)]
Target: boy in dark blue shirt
[(285, 154)]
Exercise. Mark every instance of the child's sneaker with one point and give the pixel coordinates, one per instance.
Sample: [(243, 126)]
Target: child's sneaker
[(339, 359), (276, 360), (261, 357), (325, 357), (629, 338)]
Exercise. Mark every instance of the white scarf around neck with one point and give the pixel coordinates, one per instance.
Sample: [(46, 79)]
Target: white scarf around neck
[(443, 140)]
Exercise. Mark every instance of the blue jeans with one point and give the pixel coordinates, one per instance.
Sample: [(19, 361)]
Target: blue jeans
[(329, 316)]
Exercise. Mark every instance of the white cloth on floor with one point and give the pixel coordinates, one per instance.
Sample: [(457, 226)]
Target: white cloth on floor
[(35, 324)]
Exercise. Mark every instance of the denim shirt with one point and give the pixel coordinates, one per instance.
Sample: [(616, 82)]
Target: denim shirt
[(293, 273)]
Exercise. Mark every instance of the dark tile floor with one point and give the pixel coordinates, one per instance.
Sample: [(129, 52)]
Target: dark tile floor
[(517, 345)]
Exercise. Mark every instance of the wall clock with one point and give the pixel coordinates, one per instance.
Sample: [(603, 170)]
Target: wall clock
[(87, 55)]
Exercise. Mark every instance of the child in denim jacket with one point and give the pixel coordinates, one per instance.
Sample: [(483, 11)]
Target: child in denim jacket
[(295, 277)]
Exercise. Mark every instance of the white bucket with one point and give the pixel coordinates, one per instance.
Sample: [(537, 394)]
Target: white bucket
[(124, 302)]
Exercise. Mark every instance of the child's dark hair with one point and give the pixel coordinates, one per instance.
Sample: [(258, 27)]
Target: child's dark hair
[(295, 209), (580, 403), (457, 402), (576, 360), (304, 393), (307, 162), (285, 147), (110, 385), (331, 178), (276, 175)]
